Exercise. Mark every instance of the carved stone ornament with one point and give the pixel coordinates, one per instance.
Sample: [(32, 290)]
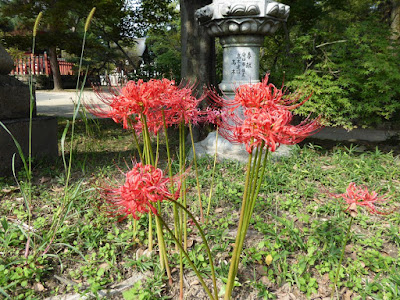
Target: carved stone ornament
[(204, 14), (240, 10), (251, 26), (221, 9), (277, 10), (236, 17)]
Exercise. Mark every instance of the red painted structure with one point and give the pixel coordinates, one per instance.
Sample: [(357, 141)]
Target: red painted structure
[(40, 65)]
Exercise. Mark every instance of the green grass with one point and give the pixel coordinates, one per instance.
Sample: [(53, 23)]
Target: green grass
[(295, 221)]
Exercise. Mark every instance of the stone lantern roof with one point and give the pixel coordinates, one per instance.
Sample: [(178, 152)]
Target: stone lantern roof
[(238, 17)]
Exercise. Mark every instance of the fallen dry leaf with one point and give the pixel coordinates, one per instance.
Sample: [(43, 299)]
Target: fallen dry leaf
[(38, 287)]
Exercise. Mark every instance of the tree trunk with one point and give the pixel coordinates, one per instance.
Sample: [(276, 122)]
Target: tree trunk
[(395, 19), (55, 68), (198, 48)]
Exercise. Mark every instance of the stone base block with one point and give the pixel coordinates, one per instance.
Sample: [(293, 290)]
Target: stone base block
[(44, 141), (14, 99), (226, 150)]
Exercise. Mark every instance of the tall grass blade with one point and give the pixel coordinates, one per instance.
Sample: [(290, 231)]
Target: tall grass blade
[(3, 292), (64, 135), (20, 152)]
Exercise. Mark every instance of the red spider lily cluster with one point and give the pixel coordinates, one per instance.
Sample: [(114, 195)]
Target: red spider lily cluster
[(261, 113), (144, 186), (360, 196), (151, 99)]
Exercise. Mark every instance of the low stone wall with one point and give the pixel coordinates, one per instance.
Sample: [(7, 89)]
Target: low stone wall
[(44, 141)]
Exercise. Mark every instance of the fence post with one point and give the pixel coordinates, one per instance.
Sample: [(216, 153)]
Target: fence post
[(46, 64), (32, 64)]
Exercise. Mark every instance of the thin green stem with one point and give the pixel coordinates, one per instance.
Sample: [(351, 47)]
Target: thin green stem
[(213, 173), (148, 141), (80, 61), (182, 164), (236, 250), (162, 247), (29, 175), (203, 236), (260, 180), (255, 182), (135, 137), (56, 219), (341, 257), (157, 150), (175, 209), (150, 236), (134, 229), (206, 289), (197, 173)]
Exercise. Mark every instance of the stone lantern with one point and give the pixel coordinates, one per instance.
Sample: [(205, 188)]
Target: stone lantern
[(241, 26)]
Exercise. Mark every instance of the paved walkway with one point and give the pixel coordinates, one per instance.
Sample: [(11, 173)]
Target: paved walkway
[(60, 104)]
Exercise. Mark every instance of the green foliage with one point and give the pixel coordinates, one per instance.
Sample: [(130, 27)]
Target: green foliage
[(164, 52), (344, 56), (111, 34)]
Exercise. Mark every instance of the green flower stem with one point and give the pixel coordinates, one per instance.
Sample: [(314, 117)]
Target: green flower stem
[(149, 158), (213, 173), (175, 209), (134, 224), (157, 150), (135, 137), (206, 289), (197, 174), (246, 213), (256, 182), (341, 257), (236, 251), (160, 238), (162, 247), (28, 199), (182, 163), (182, 223), (178, 243), (203, 236), (146, 137), (259, 183), (150, 236)]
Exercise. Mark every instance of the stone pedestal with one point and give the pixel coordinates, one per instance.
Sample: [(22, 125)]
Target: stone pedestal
[(14, 98), (241, 26), (44, 141), (14, 114)]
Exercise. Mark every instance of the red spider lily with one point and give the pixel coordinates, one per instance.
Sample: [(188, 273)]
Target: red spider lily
[(269, 126), (359, 196), (264, 117), (260, 95), (152, 99), (144, 185), (178, 106)]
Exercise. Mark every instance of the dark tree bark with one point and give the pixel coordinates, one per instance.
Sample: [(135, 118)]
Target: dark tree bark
[(395, 19), (198, 48), (55, 68)]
